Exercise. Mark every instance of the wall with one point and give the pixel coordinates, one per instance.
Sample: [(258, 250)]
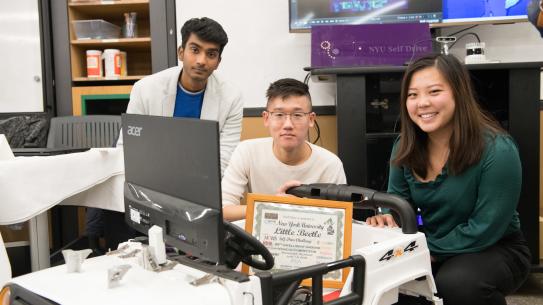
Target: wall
[(20, 83), (260, 48)]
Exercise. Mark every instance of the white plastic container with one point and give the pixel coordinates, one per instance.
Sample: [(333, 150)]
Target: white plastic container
[(95, 29), (112, 63)]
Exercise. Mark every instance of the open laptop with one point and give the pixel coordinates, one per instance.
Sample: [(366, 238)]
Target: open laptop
[(45, 151)]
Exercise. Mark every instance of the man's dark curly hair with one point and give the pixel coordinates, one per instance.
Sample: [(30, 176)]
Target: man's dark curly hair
[(206, 29)]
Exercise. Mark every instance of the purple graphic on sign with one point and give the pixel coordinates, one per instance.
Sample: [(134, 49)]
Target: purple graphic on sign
[(369, 44)]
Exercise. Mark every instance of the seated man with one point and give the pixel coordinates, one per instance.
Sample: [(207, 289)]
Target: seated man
[(271, 165)]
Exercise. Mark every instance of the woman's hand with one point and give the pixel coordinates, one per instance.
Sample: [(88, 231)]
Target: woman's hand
[(381, 221), (281, 191)]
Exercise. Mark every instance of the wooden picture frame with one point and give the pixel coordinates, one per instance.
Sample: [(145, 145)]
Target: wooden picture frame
[(302, 232)]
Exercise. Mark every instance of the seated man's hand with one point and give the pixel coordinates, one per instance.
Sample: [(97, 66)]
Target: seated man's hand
[(381, 221), (282, 190)]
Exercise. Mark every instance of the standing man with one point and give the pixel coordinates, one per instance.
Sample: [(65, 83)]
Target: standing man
[(194, 90), (286, 159)]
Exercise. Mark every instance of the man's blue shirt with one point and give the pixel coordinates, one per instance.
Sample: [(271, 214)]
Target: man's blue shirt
[(188, 104)]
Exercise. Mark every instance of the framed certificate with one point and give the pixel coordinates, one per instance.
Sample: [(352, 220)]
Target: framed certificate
[(302, 232)]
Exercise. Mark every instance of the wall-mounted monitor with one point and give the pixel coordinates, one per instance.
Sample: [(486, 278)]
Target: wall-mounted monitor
[(306, 13), (460, 12)]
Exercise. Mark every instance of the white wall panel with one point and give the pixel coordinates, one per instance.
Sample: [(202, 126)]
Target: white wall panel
[(20, 54)]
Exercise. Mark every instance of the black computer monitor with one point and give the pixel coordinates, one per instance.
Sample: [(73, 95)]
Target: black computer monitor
[(172, 170)]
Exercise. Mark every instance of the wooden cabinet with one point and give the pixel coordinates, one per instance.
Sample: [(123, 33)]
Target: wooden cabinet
[(152, 50), (138, 49), (138, 55)]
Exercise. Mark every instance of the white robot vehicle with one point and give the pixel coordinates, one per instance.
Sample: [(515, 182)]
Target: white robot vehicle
[(384, 262)]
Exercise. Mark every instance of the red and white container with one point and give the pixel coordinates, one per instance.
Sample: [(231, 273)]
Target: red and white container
[(94, 63)]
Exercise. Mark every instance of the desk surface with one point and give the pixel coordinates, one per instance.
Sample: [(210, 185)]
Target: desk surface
[(31, 185)]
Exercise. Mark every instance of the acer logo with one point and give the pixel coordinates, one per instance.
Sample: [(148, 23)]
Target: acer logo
[(134, 131)]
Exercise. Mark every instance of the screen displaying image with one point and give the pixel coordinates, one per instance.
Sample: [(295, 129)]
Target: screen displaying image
[(306, 13), (483, 10)]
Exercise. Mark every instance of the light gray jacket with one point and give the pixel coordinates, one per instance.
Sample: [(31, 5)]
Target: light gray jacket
[(155, 95)]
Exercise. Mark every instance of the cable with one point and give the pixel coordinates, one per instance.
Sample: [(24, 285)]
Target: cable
[(317, 127), (464, 35), (306, 79), (468, 28), (318, 131), (414, 48)]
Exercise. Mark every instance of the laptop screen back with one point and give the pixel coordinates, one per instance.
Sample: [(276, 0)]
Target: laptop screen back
[(173, 181), (175, 156)]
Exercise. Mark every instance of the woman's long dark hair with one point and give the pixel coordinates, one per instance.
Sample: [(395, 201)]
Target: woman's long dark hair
[(470, 123)]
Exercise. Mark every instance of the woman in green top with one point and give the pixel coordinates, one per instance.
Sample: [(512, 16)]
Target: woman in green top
[(463, 172)]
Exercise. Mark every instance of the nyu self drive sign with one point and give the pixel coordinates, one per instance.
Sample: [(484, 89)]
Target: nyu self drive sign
[(369, 44)]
